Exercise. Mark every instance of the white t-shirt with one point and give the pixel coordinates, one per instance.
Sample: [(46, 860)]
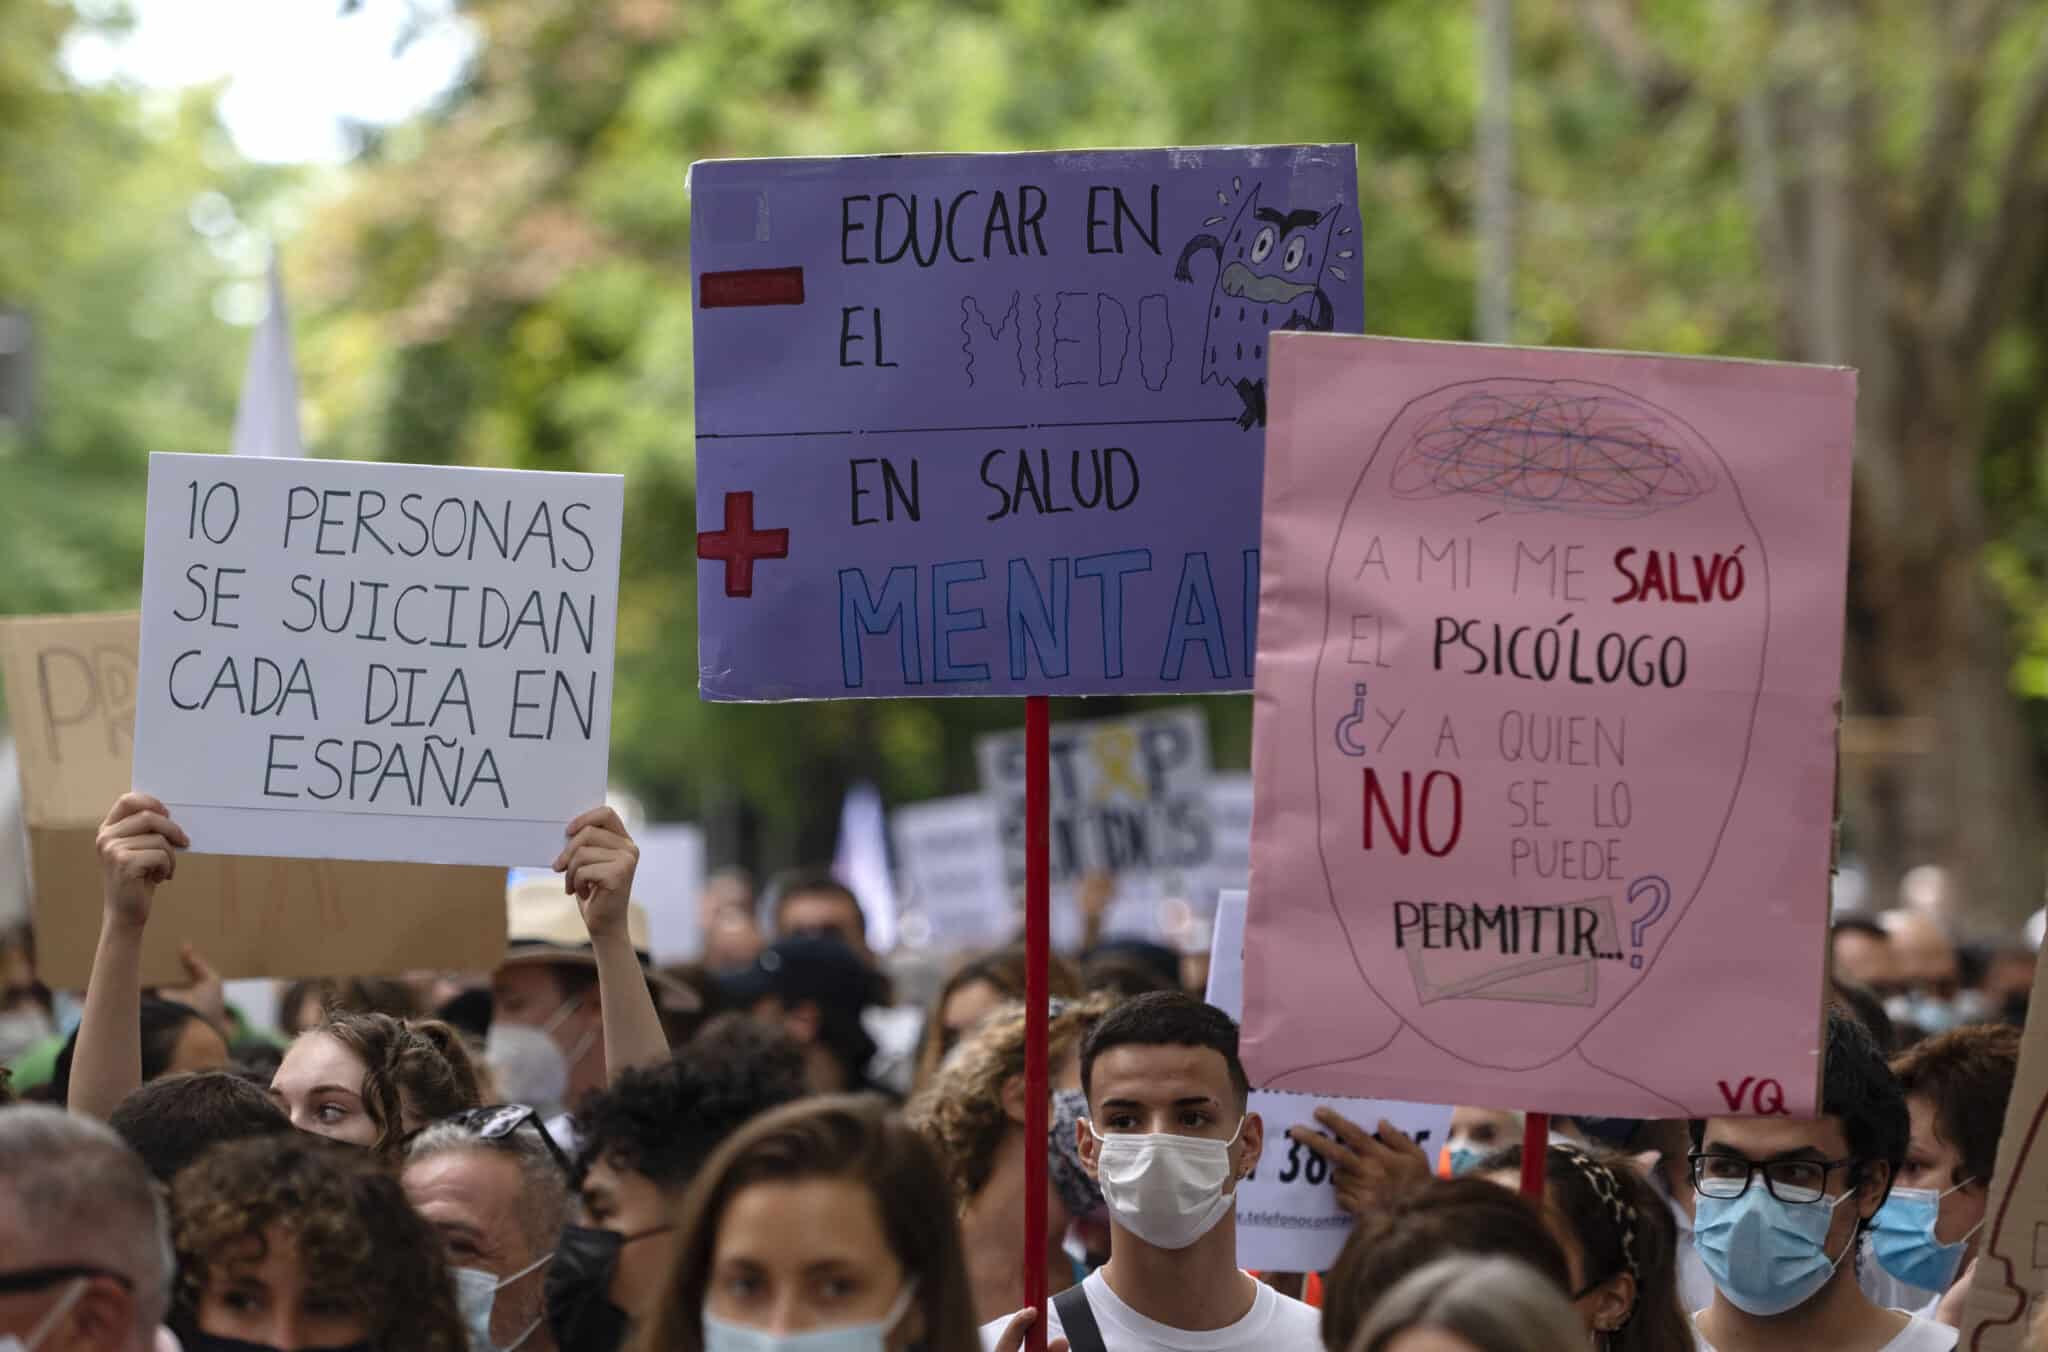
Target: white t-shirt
[(1275, 1323), (1920, 1335)]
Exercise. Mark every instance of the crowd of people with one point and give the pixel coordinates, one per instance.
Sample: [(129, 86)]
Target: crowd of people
[(583, 1152)]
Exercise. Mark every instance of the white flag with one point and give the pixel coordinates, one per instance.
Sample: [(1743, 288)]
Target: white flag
[(267, 419)]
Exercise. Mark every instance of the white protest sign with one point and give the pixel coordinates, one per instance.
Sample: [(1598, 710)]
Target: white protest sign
[(1129, 797), (347, 660), (1288, 1216), (950, 853), (667, 883)]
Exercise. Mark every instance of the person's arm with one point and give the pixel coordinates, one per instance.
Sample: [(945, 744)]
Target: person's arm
[(597, 868), (138, 844)]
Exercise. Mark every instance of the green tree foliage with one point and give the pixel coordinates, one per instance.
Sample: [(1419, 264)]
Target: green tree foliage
[(119, 234)]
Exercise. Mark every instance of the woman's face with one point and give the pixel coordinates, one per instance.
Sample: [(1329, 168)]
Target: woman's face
[(320, 1087), (795, 1257), (967, 1006), (263, 1294)]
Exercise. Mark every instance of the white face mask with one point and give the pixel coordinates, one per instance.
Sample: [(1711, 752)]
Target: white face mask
[(526, 1066), (720, 1336), (476, 1295), (1165, 1189), (21, 1029), (10, 1343)]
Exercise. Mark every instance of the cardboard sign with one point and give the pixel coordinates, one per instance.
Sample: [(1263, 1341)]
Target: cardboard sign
[(1550, 650), (344, 660), (2011, 1272), (1288, 1215), (992, 424), (71, 683), (1129, 797)]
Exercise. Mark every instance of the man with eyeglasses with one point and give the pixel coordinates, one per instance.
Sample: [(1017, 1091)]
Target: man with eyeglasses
[(496, 1188), (1782, 1204), (85, 1253)]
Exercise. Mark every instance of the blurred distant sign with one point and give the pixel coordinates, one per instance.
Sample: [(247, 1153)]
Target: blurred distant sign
[(1130, 796), (993, 424), (346, 660)]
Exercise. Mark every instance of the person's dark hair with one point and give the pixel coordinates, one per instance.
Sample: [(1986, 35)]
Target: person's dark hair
[(360, 1244), (808, 883), (172, 1120), (1002, 969), (664, 1121), (163, 1023), (1966, 1076), (6, 1087), (1861, 1004), (1860, 1089), (1165, 1019), (850, 1137), (1123, 977), (418, 1068), (1856, 923), (255, 1059), (1619, 1224), (1433, 1220), (356, 995)]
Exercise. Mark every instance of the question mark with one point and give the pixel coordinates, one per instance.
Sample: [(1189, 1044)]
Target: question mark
[(1660, 893), (1347, 726)]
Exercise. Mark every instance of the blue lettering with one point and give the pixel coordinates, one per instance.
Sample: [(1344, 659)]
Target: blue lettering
[(861, 613), (1110, 569), (1196, 619), (946, 621), (1033, 621)]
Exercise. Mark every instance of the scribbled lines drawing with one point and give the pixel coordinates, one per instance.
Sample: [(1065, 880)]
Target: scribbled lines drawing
[(1551, 446), (1269, 275)]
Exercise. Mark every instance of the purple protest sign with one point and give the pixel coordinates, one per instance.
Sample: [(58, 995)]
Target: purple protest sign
[(995, 424)]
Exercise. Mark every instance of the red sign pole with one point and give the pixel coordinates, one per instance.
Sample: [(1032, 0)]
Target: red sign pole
[(1038, 952), (1535, 1153)]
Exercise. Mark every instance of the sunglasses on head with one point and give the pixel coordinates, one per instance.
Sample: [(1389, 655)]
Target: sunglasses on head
[(499, 1121)]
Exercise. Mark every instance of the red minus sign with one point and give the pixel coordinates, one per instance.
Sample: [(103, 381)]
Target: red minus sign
[(752, 286)]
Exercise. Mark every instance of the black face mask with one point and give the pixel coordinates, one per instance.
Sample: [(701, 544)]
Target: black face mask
[(577, 1293), (199, 1341)]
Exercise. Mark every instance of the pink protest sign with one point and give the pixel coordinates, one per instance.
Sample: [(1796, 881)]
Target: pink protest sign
[(1549, 657)]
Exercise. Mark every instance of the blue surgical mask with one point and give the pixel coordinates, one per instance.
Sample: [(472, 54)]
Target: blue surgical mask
[(1464, 1159), (1767, 1256), (720, 1336), (476, 1295), (1903, 1239)]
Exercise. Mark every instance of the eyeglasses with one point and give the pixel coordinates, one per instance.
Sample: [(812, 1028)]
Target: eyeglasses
[(1726, 1177), (35, 1279), (500, 1121)]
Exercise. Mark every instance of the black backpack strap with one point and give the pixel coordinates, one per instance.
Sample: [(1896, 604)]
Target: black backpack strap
[(1077, 1321)]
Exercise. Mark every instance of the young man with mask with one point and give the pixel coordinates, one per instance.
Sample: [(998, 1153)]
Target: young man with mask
[(1956, 1088), (1782, 1202), (1169, 1137), (643, 1140)]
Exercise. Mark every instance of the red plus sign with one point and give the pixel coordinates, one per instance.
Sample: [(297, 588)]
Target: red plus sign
[(739, 544)]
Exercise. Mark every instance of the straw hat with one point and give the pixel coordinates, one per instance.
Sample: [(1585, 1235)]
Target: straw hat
[(544, 925)]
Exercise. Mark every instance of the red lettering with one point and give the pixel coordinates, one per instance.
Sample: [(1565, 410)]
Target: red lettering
[(1400, 832), (1734, 1100)]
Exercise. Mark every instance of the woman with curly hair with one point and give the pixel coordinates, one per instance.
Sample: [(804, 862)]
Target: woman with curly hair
[(976, 989), (973, 1112), (372, 1080), (285, 1242)]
